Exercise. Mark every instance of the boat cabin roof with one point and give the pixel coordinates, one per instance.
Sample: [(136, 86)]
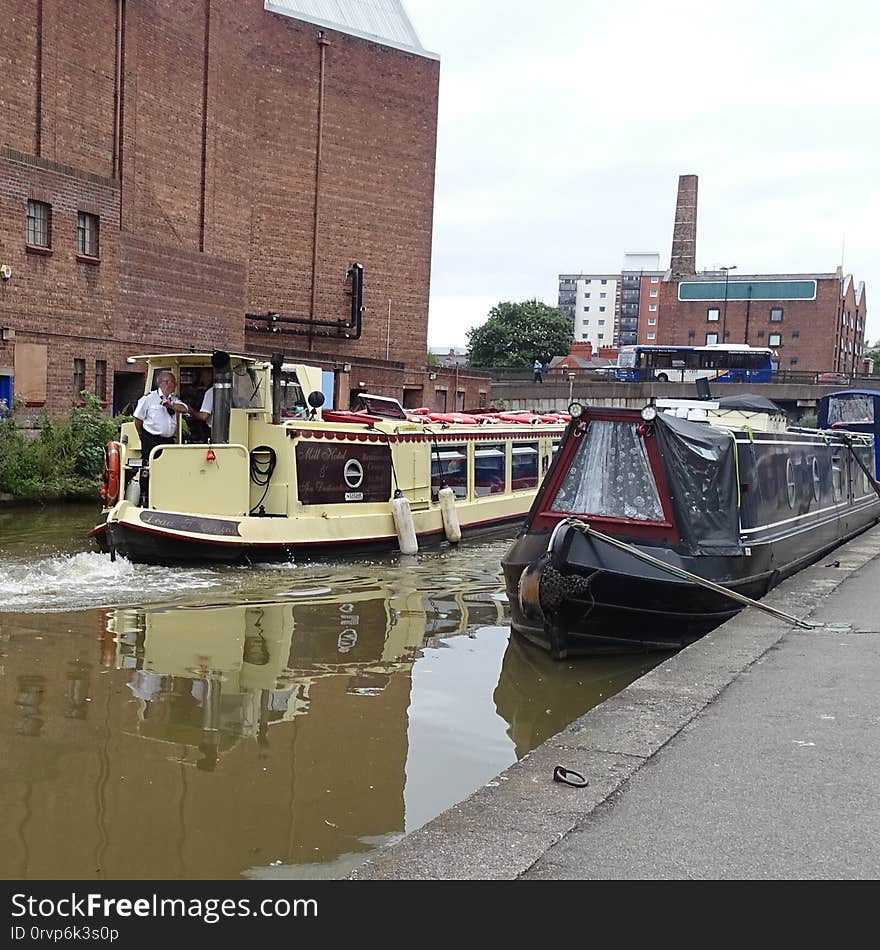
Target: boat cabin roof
[(191, 359)]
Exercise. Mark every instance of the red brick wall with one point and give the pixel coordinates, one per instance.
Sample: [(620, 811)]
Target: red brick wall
[(227, 169), (817, 322), (55, 298)]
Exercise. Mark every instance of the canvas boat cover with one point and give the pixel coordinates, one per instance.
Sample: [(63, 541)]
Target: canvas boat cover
[(700, 465), (748, 402)]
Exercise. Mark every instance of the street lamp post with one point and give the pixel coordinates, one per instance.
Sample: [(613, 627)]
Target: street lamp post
[(727, 271)]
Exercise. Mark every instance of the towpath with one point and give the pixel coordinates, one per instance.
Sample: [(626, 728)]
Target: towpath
[(752, 754)]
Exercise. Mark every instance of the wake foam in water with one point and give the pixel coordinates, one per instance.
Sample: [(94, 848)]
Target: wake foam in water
[(90, 579)]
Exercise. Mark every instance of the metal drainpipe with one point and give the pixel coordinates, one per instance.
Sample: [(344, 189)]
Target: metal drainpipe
[(748, 313), (323, 43), (206, 65), (119, 100), (38, 124)]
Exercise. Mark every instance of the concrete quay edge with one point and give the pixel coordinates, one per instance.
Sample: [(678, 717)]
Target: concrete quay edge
[(505, 827)]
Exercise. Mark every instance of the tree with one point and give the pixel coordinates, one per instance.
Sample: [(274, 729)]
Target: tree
[(873, 353), (515, 334)]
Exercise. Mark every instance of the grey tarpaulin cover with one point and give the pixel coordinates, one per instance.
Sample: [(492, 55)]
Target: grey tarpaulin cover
[(701, 473), (749, 402)]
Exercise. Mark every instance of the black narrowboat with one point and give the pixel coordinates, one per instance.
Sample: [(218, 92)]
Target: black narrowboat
[(722, 490)]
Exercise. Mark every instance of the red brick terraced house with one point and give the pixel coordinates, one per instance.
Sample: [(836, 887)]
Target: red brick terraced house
[(215, 174)]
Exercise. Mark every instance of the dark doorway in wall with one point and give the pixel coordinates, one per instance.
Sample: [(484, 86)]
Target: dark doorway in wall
[(127, 389), (412, 398)]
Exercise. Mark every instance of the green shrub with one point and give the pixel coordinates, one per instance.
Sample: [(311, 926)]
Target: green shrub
[(66, 457)]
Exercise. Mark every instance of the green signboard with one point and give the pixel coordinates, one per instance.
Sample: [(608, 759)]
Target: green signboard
[(747, 290)]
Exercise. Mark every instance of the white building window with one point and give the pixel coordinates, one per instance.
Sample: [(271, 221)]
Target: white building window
[(655, 280), (652, 336), (652, 321), (653, 293), (711, 339), (652, 307), (601, 323), (775, 339), (603, 295), (601, 310), (713, 314), (601, 336)]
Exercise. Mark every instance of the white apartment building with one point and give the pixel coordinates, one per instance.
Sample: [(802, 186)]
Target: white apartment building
[(592, 302)]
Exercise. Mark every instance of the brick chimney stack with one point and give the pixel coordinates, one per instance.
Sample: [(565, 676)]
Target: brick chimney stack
[(684, 234)]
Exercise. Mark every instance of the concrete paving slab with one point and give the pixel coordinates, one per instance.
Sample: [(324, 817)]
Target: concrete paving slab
[(754, 753)]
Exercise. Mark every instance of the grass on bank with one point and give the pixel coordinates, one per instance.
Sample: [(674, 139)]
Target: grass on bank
[(63, 461)]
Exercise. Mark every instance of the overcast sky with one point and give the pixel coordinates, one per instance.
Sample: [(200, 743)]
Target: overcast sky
[(564, 126)]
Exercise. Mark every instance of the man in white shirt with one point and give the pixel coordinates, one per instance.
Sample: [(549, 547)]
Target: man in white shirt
[(206, 410), (155, 418)]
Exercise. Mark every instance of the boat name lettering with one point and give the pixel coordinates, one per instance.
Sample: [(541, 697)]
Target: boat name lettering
[(191, 523)]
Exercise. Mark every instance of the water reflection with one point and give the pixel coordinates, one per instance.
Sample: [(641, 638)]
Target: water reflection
[(285, 732)]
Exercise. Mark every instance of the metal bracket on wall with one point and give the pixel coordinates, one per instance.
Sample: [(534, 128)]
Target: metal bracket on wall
[(350, 329)]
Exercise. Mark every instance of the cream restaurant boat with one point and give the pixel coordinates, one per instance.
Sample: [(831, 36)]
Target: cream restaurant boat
[(282, 478)]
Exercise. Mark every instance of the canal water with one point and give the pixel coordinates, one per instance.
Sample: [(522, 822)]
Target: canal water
[(254, 722)]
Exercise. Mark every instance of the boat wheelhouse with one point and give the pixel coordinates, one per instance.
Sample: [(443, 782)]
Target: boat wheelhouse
[(283, 478), (640, 507)]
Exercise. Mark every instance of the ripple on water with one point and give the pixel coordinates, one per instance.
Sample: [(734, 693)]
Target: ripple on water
[(89, 579)]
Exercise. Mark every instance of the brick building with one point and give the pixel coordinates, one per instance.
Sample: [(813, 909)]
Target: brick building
[(814, 322), (203, 174)]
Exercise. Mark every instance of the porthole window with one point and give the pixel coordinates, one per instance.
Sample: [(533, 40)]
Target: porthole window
[(816, 484), (790, 482)]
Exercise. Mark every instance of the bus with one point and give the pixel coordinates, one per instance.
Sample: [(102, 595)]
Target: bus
[(721, 363)]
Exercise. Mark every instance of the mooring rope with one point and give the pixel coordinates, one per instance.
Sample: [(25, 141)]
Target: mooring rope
[(680, 572)]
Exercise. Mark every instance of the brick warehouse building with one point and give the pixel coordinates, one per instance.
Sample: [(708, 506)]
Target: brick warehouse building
[(814, 322), (174, 171)]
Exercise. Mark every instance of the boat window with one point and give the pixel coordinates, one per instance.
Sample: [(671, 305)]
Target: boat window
[(524, 466), (490, 469), (790, 483), (449, 465), (247, 393), (293, 399), (610, 475), (817, 482), (843, 409), (837, 486), (381, 406)]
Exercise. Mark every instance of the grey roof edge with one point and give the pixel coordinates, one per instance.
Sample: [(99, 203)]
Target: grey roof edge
[(271, 7)]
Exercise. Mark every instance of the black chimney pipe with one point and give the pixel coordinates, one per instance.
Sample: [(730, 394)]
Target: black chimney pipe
[(277, 360), (222, 396)]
